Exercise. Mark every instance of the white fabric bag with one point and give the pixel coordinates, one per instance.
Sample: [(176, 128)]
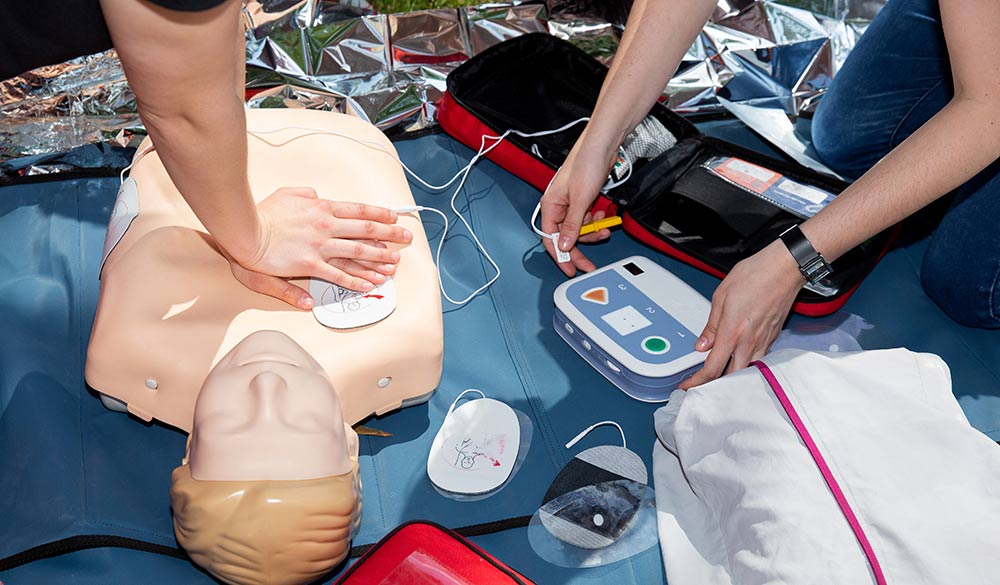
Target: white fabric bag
[(910, 493)]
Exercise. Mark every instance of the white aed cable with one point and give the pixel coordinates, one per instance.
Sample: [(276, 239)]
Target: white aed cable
[(587, 430), (461, 177), (561, 256), (437, 253), (138, 157)]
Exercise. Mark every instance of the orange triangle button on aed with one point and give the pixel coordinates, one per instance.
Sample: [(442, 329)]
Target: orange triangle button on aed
[(597, 295)]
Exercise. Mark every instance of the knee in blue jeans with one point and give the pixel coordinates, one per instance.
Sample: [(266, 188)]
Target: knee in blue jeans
[(969, 293), (834, 139)]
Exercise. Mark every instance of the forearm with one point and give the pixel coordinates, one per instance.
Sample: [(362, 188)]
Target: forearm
[(186, 71), (658, 34), (203, 147), (951, 148), (961, 140)]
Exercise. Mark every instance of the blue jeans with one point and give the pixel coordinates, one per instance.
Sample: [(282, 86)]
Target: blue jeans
[(896, 78)]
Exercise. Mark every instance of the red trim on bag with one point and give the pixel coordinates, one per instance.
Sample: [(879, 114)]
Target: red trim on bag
[(398, 545), (824, 469), (606, 205), (252, 91), (464, 126), (822, 309), (461, 125), (407, 58)]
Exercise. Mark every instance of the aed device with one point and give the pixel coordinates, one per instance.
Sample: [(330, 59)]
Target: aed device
[(635, 323)]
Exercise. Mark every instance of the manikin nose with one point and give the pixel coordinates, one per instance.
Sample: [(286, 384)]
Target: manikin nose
[(266, 389)]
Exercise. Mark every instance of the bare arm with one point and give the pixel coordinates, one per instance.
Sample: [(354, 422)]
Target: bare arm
[(184, 68), (187, 72), (658, 34), (751, 304), (958, 142)]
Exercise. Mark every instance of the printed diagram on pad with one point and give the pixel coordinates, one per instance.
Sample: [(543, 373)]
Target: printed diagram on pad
[(341, 308), (469, 454), (341, 300), (475, 450)]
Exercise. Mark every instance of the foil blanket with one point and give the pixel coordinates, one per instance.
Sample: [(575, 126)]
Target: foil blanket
[(390, 69)]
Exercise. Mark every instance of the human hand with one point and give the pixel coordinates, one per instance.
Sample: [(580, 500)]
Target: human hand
[(302, 235), (566, 201), (749, 308)]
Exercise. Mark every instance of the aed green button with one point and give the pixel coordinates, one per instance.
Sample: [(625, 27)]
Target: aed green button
[(655, 345)]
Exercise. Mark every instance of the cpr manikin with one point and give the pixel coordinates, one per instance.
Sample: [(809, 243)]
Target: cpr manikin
[(170, 307), (269, 492)]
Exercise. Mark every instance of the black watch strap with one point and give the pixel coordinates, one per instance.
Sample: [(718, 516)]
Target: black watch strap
[(811, 263)]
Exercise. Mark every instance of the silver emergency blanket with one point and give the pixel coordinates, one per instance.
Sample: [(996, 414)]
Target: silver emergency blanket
[(56, 108), (339, 55)]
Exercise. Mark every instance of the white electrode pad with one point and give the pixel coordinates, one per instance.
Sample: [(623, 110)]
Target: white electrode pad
[(341, 308), (475, 450), (125, 211)]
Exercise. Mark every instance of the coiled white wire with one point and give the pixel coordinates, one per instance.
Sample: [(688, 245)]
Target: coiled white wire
[(461, 177)]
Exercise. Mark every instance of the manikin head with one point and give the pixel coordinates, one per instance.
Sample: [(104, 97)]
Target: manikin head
[(269, 492)]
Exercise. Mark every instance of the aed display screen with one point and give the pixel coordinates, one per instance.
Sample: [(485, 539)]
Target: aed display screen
[(633, 269)]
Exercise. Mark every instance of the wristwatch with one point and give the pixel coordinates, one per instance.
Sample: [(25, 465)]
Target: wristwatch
[(811, 263)]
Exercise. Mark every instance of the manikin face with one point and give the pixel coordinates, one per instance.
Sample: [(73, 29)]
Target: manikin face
[(267, 411)]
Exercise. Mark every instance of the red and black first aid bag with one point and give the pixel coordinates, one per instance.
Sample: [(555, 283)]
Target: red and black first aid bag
[(423, 552), (706, 202)]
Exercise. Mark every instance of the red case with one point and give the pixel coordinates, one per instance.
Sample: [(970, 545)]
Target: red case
[(538, 82), (424, 553)]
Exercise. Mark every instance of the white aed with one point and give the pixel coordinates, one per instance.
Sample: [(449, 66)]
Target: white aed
[(826, 468), (635, 323)]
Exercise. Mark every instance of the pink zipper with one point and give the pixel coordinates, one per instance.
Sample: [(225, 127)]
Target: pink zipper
[(824, 469)]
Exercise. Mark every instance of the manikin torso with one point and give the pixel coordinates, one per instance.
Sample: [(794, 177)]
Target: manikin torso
[(170, 308)]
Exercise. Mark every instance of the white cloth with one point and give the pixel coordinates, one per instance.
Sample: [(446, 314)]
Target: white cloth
[(741, 501)]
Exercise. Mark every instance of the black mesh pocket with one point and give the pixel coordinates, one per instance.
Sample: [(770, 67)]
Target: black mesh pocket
[(743, 212)]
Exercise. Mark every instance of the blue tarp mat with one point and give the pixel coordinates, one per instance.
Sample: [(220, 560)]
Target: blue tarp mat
[(70, 467)]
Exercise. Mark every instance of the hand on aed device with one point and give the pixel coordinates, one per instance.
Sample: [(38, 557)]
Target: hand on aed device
[(303, 235), (748, 308), (752, 303)]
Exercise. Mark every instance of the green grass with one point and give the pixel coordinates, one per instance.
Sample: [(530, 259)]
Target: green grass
[(390, 6)]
